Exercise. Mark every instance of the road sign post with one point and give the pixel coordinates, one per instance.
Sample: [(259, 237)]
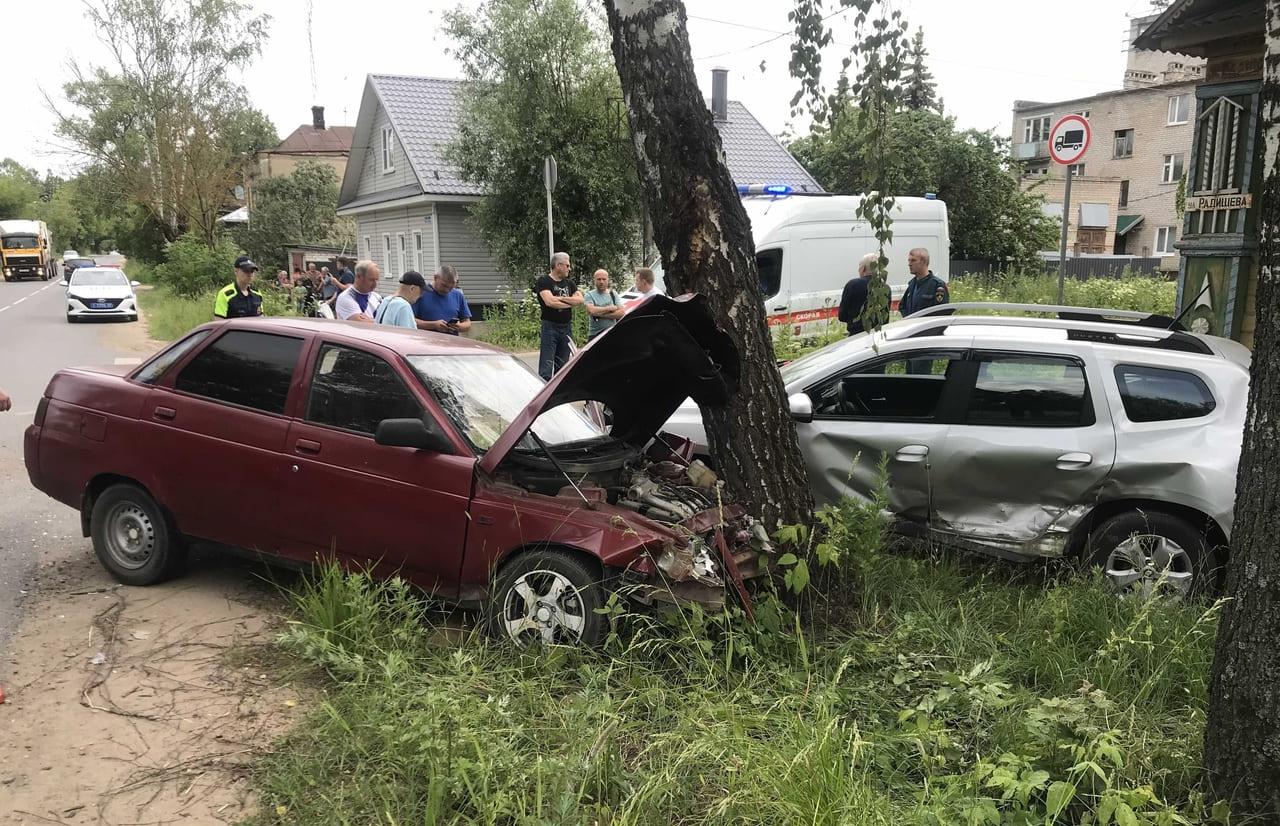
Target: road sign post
[(1068, 141), (549, 178)]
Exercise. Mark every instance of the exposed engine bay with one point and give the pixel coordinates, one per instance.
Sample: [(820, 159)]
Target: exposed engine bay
[(714, 543)]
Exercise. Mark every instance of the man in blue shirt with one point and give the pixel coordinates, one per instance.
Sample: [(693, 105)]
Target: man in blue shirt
[(443, 308)]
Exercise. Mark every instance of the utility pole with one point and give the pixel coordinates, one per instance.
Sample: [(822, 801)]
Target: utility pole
[(549, 177)]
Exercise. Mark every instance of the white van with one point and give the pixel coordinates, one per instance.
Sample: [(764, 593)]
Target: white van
[(808, 247)]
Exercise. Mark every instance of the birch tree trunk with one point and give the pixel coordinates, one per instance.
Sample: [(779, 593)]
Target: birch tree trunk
[(704, 237), (1242, 735)]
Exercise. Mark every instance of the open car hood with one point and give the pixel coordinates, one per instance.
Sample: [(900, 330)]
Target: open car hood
[(663, 351)]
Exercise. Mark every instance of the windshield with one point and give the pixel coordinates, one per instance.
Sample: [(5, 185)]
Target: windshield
[(821, 361), (98, 278), (19, 242), (481, 395)]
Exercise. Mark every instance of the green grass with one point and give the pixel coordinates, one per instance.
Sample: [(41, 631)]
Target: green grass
[(933, 690), (1130, 292), (169, 316)]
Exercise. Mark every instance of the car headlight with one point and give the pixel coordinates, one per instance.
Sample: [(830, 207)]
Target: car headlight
[(74, 297)]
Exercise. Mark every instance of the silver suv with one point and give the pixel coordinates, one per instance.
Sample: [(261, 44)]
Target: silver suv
[(1109, 436)]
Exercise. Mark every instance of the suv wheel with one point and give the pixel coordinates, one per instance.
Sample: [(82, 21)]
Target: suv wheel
[(132, 537), (547, 597), (1146, 553)]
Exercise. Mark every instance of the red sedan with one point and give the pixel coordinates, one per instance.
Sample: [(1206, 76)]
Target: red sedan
[(440, 459)]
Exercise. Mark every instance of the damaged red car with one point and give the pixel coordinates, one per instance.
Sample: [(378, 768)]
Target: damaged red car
[(440, 459)]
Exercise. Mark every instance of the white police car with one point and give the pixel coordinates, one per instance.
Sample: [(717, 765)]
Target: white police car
[(100, 292)]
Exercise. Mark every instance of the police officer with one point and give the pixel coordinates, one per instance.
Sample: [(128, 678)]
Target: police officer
[(925, 289), (239, 299)]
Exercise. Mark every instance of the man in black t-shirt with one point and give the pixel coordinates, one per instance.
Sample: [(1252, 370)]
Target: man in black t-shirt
[(558, 296)]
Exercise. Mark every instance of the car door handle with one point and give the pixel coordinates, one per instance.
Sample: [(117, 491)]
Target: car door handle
[(306, 446), (166, 413), (780, 309), (912, 453), (1074, 461)]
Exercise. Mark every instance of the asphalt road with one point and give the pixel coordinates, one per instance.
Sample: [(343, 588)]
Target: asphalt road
[(35, 342)]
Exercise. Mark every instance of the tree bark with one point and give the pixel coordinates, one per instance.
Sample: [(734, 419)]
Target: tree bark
[(704, 237), (1242, 729)]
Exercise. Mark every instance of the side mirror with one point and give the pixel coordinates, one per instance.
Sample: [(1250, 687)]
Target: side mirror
[(415, 433), (135, 283), (62, 283), (801, 407)]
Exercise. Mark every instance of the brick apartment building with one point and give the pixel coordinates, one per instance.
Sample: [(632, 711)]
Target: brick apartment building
[(1123, 199)]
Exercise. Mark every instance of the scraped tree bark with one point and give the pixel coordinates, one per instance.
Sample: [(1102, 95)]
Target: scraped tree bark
[(1242, 734), (704, 237)]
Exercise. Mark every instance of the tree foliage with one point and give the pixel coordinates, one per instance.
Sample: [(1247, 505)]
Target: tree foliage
[(991, 217), (543, 84), (298, 208), (166, 120), (19, 187)]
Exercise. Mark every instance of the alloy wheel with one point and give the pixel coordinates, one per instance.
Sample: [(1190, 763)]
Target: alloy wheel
[(543, 606), (1148, 564)]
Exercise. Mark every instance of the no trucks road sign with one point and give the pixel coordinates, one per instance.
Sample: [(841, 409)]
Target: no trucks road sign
[(1069, 139)]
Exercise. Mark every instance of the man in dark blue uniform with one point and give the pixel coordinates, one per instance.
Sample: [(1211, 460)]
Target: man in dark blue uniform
[(925, 289)]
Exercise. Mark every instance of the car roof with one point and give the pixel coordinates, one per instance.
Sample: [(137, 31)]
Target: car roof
[(95, 268), (404, 341), (1081, 332)]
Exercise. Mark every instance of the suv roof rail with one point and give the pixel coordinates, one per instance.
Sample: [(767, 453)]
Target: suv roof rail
[(1131, 317)]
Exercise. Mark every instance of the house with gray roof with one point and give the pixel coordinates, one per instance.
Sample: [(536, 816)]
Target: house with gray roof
[(410, 204)]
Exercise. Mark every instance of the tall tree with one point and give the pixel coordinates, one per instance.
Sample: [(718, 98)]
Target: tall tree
[(1242, 726), (705, 242), (991, 217), (298, 208), (166, 119), (919, 90), (19, 187), (543, 84)]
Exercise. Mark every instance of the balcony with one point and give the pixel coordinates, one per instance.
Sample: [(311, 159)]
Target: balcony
[(1030, 151)]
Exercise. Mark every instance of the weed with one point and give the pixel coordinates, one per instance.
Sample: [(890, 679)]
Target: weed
[(944, 693)]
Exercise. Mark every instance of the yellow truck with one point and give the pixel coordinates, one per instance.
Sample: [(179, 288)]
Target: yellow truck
[(26, 250)]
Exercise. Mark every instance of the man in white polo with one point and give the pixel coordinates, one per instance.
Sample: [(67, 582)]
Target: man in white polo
[(361, 300)]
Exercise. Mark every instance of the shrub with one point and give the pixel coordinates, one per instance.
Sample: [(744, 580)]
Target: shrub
[(193, 269), (1142, 293)]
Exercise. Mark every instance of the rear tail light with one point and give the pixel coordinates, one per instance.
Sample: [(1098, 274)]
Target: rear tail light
[(41, 409)]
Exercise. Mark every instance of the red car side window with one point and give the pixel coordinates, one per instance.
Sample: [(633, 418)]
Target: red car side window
[(244, 368)]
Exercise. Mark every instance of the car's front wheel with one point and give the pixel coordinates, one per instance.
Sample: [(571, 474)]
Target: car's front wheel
[(132, 537), (549, 598), (1149, 552)]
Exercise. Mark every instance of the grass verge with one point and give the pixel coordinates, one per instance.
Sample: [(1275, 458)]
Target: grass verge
[(951, 693), (169, 316)]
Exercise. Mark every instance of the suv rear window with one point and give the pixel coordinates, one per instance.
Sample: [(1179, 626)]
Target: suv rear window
[(1154, 394), (1030, 391)]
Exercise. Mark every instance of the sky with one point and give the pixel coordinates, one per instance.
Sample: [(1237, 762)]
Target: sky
[(984, 54)]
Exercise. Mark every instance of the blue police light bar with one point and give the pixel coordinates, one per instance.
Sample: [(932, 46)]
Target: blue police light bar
[(931, 196), (764, 189)]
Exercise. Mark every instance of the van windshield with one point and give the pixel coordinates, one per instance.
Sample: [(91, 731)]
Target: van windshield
[(769, 267)]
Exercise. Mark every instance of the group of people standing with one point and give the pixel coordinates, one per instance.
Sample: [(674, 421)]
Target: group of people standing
[(924, 290), (558, 294), (352, 295)]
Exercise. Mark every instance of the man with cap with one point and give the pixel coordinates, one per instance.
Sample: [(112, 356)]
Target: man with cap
[(397, 311), (239, 299)]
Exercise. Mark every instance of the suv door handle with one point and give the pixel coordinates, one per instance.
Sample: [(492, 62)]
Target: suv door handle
[(306, 446), (780, 309), (1074, 461), (912, 453), (166, 413)]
